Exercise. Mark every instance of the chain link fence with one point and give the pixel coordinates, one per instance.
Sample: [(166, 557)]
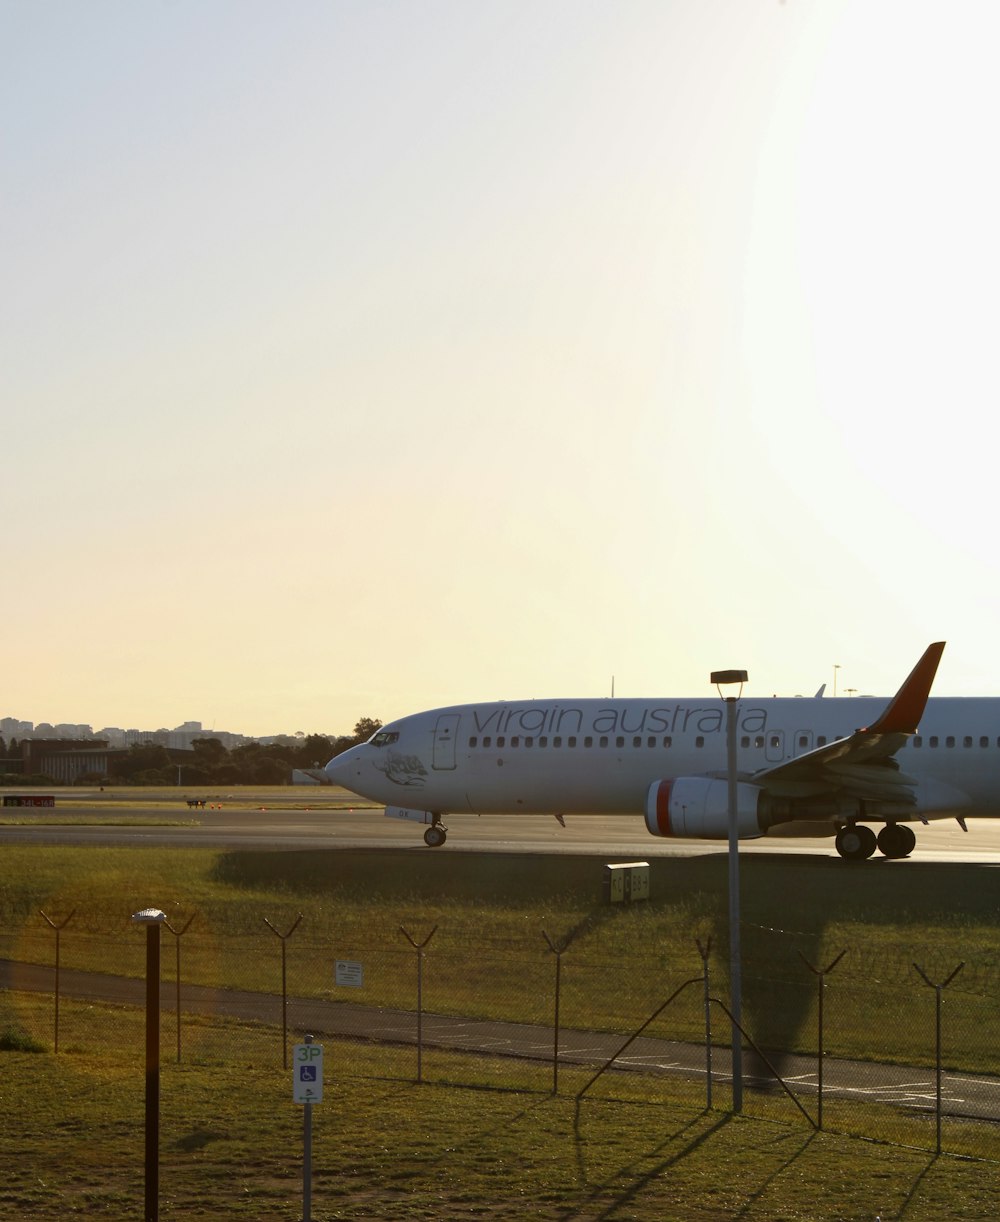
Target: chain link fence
[(912, 1036)]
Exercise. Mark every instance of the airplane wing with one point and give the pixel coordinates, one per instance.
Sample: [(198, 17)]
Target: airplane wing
[(863, 765)]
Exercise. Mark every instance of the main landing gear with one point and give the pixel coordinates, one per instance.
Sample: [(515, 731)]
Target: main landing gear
[(855, 842), (436, 834)]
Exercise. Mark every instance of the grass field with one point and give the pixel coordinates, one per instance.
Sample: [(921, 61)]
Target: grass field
[(71, 1144), (497, 1145)]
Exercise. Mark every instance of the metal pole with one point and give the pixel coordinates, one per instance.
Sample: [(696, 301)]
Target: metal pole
[(152, 1072), (704, 952), (821, 973), (938, 990), (284, 985), (178, 934), (735, 965), (152, 918), (58, 928), (558, 952), (307, 1143), (419, 948)]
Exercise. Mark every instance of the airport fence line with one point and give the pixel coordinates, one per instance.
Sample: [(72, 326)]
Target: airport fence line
[(913, 1035)]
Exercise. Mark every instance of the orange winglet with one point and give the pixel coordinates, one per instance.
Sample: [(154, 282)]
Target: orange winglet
[(907, 706)]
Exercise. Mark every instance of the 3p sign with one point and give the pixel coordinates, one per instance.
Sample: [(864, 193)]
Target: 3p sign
[(307, 1073)]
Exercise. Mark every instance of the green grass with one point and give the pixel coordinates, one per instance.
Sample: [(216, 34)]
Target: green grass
[(482, 1137), (488, 956), (497, 1146)]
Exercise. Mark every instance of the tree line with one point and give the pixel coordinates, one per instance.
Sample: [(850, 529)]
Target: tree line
[(210, 762)]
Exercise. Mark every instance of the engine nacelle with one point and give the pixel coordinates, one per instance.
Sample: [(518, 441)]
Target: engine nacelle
[(697, 808)]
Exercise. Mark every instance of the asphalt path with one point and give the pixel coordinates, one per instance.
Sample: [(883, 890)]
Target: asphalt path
[(238, 825), (962, 1095)]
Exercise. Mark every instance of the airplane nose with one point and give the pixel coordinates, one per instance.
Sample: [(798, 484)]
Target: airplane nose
[(339, 768), (342, 768)]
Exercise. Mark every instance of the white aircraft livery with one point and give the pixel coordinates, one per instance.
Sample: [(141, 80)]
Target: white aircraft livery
[(803, 765)]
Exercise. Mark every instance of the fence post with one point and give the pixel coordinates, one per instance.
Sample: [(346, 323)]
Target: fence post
[(284, 984), (178, 934), (704, 952), (419, 948), (58, 928), (938, 990), (558, 952), (821, 974)]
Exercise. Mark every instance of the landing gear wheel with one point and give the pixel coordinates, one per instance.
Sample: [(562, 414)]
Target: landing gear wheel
[(896, 840), (855, 842), (435, 836)]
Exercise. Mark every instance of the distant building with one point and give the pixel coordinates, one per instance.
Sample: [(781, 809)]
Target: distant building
[(65, 760), (10, 727)]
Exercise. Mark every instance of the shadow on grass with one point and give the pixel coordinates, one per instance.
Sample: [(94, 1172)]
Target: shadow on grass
[(786, 904), (640, 1180)]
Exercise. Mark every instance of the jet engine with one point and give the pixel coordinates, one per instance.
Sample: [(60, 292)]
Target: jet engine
[(698, 808)]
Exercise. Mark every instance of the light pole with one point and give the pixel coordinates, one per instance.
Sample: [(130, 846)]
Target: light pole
[(152, 918), (727, 678)]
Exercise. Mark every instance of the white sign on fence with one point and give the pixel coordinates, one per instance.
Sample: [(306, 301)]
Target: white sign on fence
[(350, 975), (307, 1073)]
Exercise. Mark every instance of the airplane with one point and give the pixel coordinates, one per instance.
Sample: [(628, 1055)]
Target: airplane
[(804, 768)]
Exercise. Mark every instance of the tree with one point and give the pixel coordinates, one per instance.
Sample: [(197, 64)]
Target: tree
[(365, 728), (208, 750), (315, 751)]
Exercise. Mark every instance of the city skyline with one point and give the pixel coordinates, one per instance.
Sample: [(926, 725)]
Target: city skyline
[(12, 728), (367, 358)]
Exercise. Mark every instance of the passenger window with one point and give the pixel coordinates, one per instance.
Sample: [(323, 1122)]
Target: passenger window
[(932, 741), (619, 741), (557, 742), (917, 740), (984, 741), (950, 740), (588, 741), (668, 741), (758, 740), (473, 741), (637, 741), (745, 741), (650, 742), (501, 741), (821, 741), (543, 741), (699, 741), (529, 742), (967, 741), (515, 741), (604, 740), (571, 741), (487, 741)]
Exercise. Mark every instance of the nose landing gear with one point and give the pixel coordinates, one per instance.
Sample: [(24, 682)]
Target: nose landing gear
[(436, 834)]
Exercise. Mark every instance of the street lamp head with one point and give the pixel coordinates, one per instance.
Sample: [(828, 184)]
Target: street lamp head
[(149, 916), (723, 678)]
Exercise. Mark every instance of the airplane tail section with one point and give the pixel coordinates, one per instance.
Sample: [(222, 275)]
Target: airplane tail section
[(907, 707)]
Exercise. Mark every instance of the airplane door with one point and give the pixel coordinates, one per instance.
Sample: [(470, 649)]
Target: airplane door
[(803, 741), (774, 746), (445, 738)]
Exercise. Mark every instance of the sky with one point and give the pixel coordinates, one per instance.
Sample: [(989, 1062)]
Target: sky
[(359, 357)]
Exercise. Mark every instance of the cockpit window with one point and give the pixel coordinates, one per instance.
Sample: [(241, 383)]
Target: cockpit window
[(384, 738)]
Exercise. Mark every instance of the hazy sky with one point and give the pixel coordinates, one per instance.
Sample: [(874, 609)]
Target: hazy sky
[(360, 356)]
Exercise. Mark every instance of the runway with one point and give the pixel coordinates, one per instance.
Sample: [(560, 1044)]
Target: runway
[(284, 821)]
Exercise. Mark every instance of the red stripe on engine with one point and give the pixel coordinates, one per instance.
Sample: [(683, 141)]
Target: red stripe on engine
[(663, 808)]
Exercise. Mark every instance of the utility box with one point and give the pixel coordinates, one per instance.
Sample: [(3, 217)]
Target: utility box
[(627, 882)]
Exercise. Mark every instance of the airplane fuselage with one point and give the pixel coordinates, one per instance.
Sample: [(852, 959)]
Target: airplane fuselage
[(602, 756)]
